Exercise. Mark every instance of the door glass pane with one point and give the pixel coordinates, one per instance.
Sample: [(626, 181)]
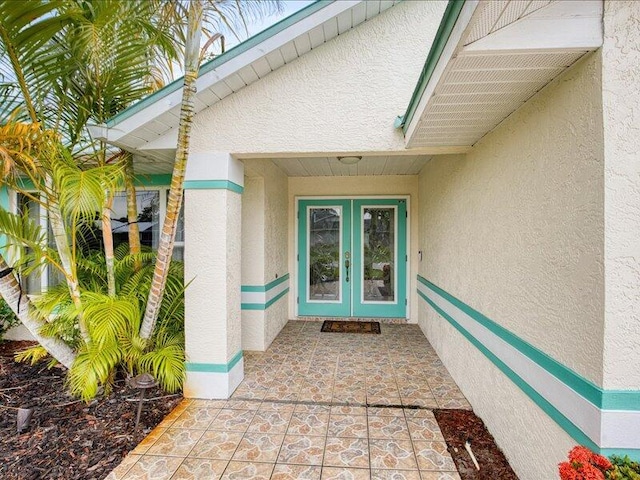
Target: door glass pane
[(324, 254), (32, 284), (378, 240)]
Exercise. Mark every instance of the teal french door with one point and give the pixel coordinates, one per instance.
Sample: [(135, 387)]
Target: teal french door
[(352, 257)]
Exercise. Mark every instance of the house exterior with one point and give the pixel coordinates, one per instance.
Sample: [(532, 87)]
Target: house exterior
[(468, 166)]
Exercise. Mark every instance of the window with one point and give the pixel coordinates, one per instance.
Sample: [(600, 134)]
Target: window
[(152, 208)]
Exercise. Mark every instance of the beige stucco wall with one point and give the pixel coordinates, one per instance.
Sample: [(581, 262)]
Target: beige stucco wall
[(515, 229), (621, 114), (212, 301), (264, 247), (341, 96), (383, 185)]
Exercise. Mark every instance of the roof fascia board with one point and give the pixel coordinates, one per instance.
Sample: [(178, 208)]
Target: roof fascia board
[(239, 56), (454, 21)]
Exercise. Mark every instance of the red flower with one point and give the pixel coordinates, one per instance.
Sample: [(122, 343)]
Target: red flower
[(583, 464), (567, 472), (580, 454), (601, 462)]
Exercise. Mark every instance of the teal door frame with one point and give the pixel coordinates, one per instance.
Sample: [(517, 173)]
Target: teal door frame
[(352, 301)]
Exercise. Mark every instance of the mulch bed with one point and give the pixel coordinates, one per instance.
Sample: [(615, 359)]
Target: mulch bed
[(67, 439), (458, 426), (347, 326)]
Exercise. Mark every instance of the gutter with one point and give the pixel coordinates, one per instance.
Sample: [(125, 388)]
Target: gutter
[(449, 19)]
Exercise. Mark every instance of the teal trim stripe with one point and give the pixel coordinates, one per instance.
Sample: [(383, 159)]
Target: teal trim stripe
[(633, 453), (221, 59), (213, 185), (621, 400), (264, 306), (214, 367), (547, 407), (264, 288), (451, 13), (584, 387)]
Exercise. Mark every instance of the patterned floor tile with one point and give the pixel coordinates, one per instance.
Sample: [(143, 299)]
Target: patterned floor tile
[(392, 454), (431, 475), (176, 443), (425, 428), (385, 412), (175, 413), (199, 418), (198, 469), (247, 470), (308, 424), (149, 440), (346, 452), (270, 421), (296, 472), (216, 445), (433, 456), (336, 473), (153, 468), (395, 475), (388, 427), (258, 447), (232, 420), (347, 426), (119, 472), (302, 450), (348, 410)]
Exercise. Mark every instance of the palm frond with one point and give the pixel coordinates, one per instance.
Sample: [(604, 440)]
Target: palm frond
[(107, 317), (92, 369)]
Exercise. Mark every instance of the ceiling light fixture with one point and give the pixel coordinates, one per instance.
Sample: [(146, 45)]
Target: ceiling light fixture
[(350, 160)]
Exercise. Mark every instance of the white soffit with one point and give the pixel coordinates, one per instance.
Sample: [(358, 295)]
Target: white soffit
[(508, 51), (143, 127), (369, 165)]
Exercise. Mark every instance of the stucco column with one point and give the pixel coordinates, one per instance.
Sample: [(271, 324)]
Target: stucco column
[(213, 188), (621, 111)]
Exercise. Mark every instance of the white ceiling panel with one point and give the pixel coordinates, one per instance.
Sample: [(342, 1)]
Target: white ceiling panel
[(369, 165)]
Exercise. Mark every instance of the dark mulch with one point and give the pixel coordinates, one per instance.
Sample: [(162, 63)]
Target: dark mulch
[(347, 326), (458, 426), (67, 439)]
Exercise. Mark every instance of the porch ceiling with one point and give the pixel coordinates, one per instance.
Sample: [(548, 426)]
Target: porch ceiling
[(369, 165), (498, 55)]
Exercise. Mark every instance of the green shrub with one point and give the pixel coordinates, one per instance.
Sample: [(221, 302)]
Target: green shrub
[(623, 468), (8, 319)]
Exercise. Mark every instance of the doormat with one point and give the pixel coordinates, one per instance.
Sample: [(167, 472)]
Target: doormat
[(342, 326)]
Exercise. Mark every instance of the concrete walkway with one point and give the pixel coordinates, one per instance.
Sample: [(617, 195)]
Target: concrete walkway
[(314, 406)]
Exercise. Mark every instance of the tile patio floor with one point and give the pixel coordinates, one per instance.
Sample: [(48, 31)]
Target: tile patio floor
[(314, 406)]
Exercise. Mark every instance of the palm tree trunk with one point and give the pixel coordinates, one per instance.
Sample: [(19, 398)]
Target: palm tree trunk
[(19, 302), (132, 211), (167, 237), (68, 265), (107, 241)]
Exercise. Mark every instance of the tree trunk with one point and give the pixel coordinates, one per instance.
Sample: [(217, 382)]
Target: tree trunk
[(132, 211), (167, 237), (68, 265), (21, 306), (107, 242)]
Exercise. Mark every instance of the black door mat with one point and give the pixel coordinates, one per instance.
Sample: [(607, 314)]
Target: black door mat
[(342, 326)]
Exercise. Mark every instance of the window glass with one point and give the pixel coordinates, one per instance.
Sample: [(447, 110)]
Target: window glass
[(32, 284), (148, 218)]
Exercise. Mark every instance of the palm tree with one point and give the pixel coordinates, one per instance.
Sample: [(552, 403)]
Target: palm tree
[(199, 11)]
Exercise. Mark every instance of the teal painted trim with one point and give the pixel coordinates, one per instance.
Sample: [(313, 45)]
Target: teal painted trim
[(263, 306), (584, 387), (264, 288), (449, 19), (213, 185), (214, 367), (276, 298), (578, 435), (632, 453), (156, 180), (221, 59), (621, 400)]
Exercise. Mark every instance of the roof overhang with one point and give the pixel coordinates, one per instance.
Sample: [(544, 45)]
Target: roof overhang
[(490, 57), (148, 128)]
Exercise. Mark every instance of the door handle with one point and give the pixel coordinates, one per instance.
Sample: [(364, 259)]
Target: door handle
[(347, 264)]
